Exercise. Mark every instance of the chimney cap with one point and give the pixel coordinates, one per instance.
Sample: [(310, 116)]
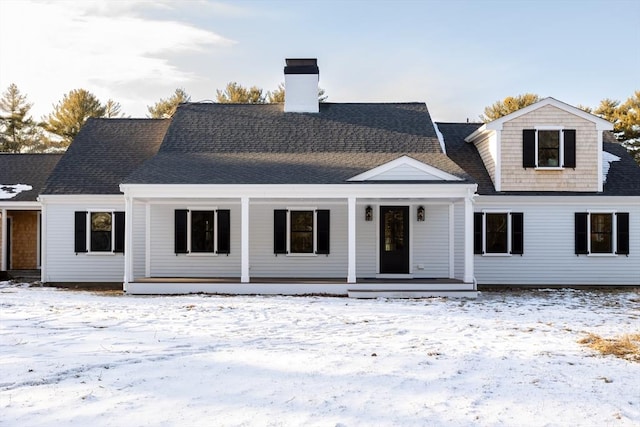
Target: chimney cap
[(301, 66)]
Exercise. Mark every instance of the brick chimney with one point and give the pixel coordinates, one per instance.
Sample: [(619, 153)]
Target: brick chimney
[(301, 86)]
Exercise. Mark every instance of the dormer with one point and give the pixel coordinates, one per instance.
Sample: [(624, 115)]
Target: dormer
[(546, 146)]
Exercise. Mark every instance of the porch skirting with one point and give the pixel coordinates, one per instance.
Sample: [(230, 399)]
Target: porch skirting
[(363, 288)]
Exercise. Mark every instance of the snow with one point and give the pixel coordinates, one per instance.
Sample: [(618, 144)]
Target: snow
[(607, 158), (9, 191), (440, 138), (76, 358)]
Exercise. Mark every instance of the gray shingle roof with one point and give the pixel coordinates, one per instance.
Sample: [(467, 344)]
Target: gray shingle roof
[(466, 155), (254, 144), (623, 178), (104, 153), (28, 169)]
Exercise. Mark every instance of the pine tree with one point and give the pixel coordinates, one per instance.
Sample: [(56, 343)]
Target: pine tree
[(235, 93), (507, 106), (18, 131), (71, 113), (166, 107)]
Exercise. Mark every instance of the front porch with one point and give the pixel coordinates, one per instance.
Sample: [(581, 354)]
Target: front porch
[(362, 288)]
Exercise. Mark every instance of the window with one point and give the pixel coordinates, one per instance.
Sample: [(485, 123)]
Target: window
[(202, 231), (602, 233), (498, 233), (99, 232), (299, 231), (549, 148)]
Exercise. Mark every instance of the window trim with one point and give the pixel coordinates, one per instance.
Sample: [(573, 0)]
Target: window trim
[(614, 233), (314, 233), (112, 242), (190, 252), (560, 130)]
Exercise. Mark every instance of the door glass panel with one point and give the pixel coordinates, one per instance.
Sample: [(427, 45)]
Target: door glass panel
[(393, 230)]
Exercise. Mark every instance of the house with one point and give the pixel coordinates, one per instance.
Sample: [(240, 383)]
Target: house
[(359, 199), (22, 177)]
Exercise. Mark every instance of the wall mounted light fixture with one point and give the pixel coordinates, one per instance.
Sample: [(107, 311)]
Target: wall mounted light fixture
[(420, 213), (368, 213)]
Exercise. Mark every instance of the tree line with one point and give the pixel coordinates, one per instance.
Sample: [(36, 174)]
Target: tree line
[(21, 133), (625, 116)]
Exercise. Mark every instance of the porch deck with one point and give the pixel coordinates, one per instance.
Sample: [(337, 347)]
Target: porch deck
[(363, 288)]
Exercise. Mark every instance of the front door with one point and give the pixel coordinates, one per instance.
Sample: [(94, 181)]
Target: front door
[(394, 239)]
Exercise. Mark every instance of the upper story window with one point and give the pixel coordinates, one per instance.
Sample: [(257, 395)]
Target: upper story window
[(602, 233), (99, 232), (549, 147)]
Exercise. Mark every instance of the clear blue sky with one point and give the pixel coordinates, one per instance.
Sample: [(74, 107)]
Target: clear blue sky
[(457, 56)]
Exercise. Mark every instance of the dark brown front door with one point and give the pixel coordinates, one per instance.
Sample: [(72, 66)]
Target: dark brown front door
[(394, 239)]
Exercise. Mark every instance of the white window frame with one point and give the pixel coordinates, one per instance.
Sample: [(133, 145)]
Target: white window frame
[(110, 252), (484, 233), (190, 252), (559, 129), (614, 233), (314, 233)]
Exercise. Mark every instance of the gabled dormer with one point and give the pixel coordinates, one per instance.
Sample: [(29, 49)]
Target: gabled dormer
[(546, 146)]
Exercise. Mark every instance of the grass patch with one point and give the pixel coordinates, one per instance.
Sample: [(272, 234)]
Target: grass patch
[(625, 347)]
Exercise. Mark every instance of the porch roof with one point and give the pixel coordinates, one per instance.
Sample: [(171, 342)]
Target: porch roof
[(275, 168)]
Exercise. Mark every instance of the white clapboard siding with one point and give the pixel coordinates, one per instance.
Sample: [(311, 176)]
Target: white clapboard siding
[(62, 263), (264, 263), (549, 257), (430, 239), (366, 244), (165, 262)]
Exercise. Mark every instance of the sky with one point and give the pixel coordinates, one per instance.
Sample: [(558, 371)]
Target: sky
[(457, 56)]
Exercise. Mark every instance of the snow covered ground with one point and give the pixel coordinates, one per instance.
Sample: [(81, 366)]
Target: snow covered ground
[(86, 359)]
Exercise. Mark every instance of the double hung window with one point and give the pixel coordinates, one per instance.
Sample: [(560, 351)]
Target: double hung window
[(549, 147), (99, 231), (498, 233), (602, 233), (201, 231), (301, 231)]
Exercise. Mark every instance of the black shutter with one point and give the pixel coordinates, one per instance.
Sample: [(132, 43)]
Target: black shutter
[(517, 233), (322, 231), (224, 231), (581, 233), (569, 148), (180, 231), (477, 232), (622, 233), (279, 231), (81, 232), (528, 148), (118, 244)]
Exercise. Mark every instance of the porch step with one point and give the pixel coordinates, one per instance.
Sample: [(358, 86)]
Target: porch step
[(27, 276), (411, 293)]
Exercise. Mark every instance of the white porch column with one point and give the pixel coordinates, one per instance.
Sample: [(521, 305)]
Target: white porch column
[(128, 242), (147, 239), (351, 270), (452, 239), (43, 242), (468, 239), (244, 240), (3, 251)]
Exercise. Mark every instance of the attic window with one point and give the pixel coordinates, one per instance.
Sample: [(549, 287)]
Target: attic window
[(549, 148)]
